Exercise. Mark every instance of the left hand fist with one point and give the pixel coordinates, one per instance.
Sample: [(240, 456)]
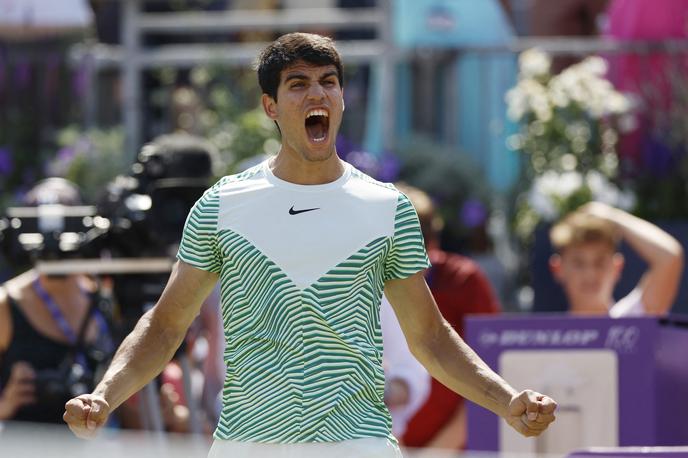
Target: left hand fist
[(530, 413)]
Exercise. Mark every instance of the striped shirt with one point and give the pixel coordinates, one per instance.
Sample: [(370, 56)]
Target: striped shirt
[(302, 270)]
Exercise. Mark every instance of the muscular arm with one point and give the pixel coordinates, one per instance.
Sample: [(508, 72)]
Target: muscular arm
[(157, 335), (663, 254), (451, 361)]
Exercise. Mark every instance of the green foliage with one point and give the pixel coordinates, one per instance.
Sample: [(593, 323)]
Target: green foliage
[(223, 104), (249, 134), (448, 176), (90, 159)]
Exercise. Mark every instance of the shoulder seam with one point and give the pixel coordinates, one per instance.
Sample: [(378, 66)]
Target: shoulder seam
[(246, 174)]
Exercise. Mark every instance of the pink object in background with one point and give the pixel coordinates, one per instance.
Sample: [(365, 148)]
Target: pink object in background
[(640, 19), (647, 75)]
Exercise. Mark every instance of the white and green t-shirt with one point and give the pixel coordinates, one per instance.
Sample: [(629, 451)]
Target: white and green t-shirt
[(302, 270)]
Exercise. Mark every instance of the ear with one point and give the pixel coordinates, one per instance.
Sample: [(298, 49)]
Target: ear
[(269, 106), (555, 266)]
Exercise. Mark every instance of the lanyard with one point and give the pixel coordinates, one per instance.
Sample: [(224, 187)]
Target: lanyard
[(64, 326), (55, 312)]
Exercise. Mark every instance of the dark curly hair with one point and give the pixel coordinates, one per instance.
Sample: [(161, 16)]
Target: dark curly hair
[(290, 49)]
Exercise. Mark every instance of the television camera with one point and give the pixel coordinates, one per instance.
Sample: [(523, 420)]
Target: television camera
[(131, 235)]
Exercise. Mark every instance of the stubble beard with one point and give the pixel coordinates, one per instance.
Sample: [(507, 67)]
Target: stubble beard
[(318, 157)]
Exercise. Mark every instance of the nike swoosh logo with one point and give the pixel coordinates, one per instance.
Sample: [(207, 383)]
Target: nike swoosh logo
[(296, 212)]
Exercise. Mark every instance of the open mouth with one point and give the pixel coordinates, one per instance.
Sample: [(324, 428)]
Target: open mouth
[(317, 125)]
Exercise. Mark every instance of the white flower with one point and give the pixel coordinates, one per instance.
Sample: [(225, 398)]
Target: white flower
[(569, 182), (517, 103), (594, 65), (597, 88), (534, 63), (542, 204), (557, 93), (542, 109), (584, 84), (514, 142), (605, 191), (595, 108), (551, 187), (570, 82), (528, 96), (547, 183), (537, 99), (555, 184), (596, 182), (618, 103)]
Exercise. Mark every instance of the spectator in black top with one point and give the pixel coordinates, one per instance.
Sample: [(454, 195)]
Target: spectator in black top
[(40, 319)]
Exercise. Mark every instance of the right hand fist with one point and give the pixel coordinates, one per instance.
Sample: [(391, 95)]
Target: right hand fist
[(86, 414), (530, 413), (18, 391)]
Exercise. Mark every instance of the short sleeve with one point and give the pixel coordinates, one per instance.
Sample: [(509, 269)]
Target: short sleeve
[(407, 254), (198, 246)]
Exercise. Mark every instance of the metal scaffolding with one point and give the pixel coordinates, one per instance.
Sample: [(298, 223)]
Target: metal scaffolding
[(132, 58)]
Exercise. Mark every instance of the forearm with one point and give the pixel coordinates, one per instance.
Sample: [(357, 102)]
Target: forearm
[(141, 357), (448, 359), (451, 361), (662, 252), (652, 243)]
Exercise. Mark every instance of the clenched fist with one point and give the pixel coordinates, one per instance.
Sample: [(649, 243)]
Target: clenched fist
[(530, 413), (86, 414)]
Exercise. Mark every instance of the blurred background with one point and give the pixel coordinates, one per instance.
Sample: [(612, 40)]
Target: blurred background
[(508, 113)]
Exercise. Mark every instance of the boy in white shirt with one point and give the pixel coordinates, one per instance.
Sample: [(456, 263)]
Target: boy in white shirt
[(588, 265)]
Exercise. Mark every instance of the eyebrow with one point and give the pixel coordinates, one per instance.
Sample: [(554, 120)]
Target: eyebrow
[(328, 74), (303, 76)]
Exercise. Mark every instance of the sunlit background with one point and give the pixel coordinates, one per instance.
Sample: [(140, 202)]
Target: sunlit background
[(507, 113)]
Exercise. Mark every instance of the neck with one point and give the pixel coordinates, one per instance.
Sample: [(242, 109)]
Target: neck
[(585, 306), (299, 171)]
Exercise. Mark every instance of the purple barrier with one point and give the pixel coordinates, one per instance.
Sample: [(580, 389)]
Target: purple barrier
[(646, 376), (632, 452)]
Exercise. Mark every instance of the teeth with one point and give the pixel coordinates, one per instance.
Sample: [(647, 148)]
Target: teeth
[(316, 113)]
